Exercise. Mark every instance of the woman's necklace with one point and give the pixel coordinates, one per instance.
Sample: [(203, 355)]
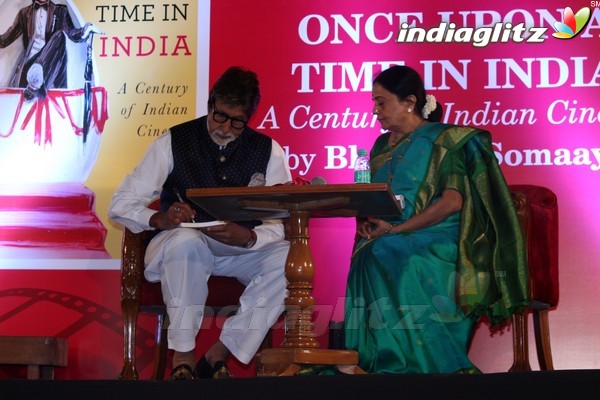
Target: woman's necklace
[(394, 136), (397, 150)]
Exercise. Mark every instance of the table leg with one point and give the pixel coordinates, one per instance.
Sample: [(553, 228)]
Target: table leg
[(300, 347), (299, 272)]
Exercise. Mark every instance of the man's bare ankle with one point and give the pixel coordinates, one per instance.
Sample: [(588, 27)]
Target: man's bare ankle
[(186, 357), (217, 352)]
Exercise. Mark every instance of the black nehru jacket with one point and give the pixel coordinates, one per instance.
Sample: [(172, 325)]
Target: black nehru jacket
[(201, 163)]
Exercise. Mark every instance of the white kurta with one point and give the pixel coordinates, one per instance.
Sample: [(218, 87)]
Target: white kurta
[(183, 259)]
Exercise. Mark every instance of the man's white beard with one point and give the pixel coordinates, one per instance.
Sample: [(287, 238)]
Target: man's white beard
[(219, 139)]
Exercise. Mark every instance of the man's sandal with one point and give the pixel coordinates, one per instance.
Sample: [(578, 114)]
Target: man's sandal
[(182, 372), (218, 371)]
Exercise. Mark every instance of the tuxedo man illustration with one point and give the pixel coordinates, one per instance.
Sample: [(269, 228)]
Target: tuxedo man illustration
[(43, 27)]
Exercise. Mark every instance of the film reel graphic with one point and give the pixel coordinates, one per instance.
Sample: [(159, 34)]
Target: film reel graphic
[(90, 312)]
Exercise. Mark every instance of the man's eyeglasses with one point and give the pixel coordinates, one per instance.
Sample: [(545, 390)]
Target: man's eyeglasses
[(220, 117)]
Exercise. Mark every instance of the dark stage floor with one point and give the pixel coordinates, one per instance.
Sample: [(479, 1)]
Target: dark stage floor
[(570, 384)]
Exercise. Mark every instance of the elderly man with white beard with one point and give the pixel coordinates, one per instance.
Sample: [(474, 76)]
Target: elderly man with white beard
[(216, 150)]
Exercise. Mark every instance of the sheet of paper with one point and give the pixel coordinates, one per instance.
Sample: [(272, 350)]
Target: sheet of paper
[(201, 224)]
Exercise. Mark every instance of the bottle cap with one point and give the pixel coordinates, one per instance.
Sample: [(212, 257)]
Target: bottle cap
[(362, 153)]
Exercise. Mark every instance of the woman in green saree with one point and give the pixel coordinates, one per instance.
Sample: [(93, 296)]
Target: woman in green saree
[(420, 281)]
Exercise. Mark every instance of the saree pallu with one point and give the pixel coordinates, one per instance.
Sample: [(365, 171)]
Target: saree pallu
[(413, 298)]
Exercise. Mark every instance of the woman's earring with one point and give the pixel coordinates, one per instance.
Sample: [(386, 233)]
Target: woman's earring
[(409, 110)]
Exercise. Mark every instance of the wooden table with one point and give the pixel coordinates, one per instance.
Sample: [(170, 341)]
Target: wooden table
[(300, 347)]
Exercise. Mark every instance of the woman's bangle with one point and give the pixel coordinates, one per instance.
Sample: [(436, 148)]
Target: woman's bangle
[(389, 229)]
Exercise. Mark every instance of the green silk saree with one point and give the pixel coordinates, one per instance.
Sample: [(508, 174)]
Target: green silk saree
[(413, 298)]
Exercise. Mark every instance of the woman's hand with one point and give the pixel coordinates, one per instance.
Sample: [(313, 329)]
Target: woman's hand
[(449, 203), (372, 228)]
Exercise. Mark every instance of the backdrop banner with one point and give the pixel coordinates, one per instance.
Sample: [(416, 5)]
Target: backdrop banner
[(527, 72)]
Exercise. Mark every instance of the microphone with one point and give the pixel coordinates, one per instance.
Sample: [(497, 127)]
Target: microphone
[(318, 180)]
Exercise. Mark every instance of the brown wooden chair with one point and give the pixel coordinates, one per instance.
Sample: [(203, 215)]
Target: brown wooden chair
[(139, 295), (537, 210)]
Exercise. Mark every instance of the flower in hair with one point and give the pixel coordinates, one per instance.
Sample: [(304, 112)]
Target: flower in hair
[(430, 105)]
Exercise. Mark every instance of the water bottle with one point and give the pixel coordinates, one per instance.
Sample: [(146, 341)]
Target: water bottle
[(362, 168)]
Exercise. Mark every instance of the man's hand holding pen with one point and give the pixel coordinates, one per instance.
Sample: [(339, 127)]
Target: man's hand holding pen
[(184, 202), (176, 214), (229, 233), (182, 212)]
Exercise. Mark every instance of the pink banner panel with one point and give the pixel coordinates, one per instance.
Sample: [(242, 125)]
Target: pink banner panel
[(496, 66)]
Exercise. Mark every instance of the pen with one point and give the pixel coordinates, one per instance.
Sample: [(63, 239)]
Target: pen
[(181, 200)]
